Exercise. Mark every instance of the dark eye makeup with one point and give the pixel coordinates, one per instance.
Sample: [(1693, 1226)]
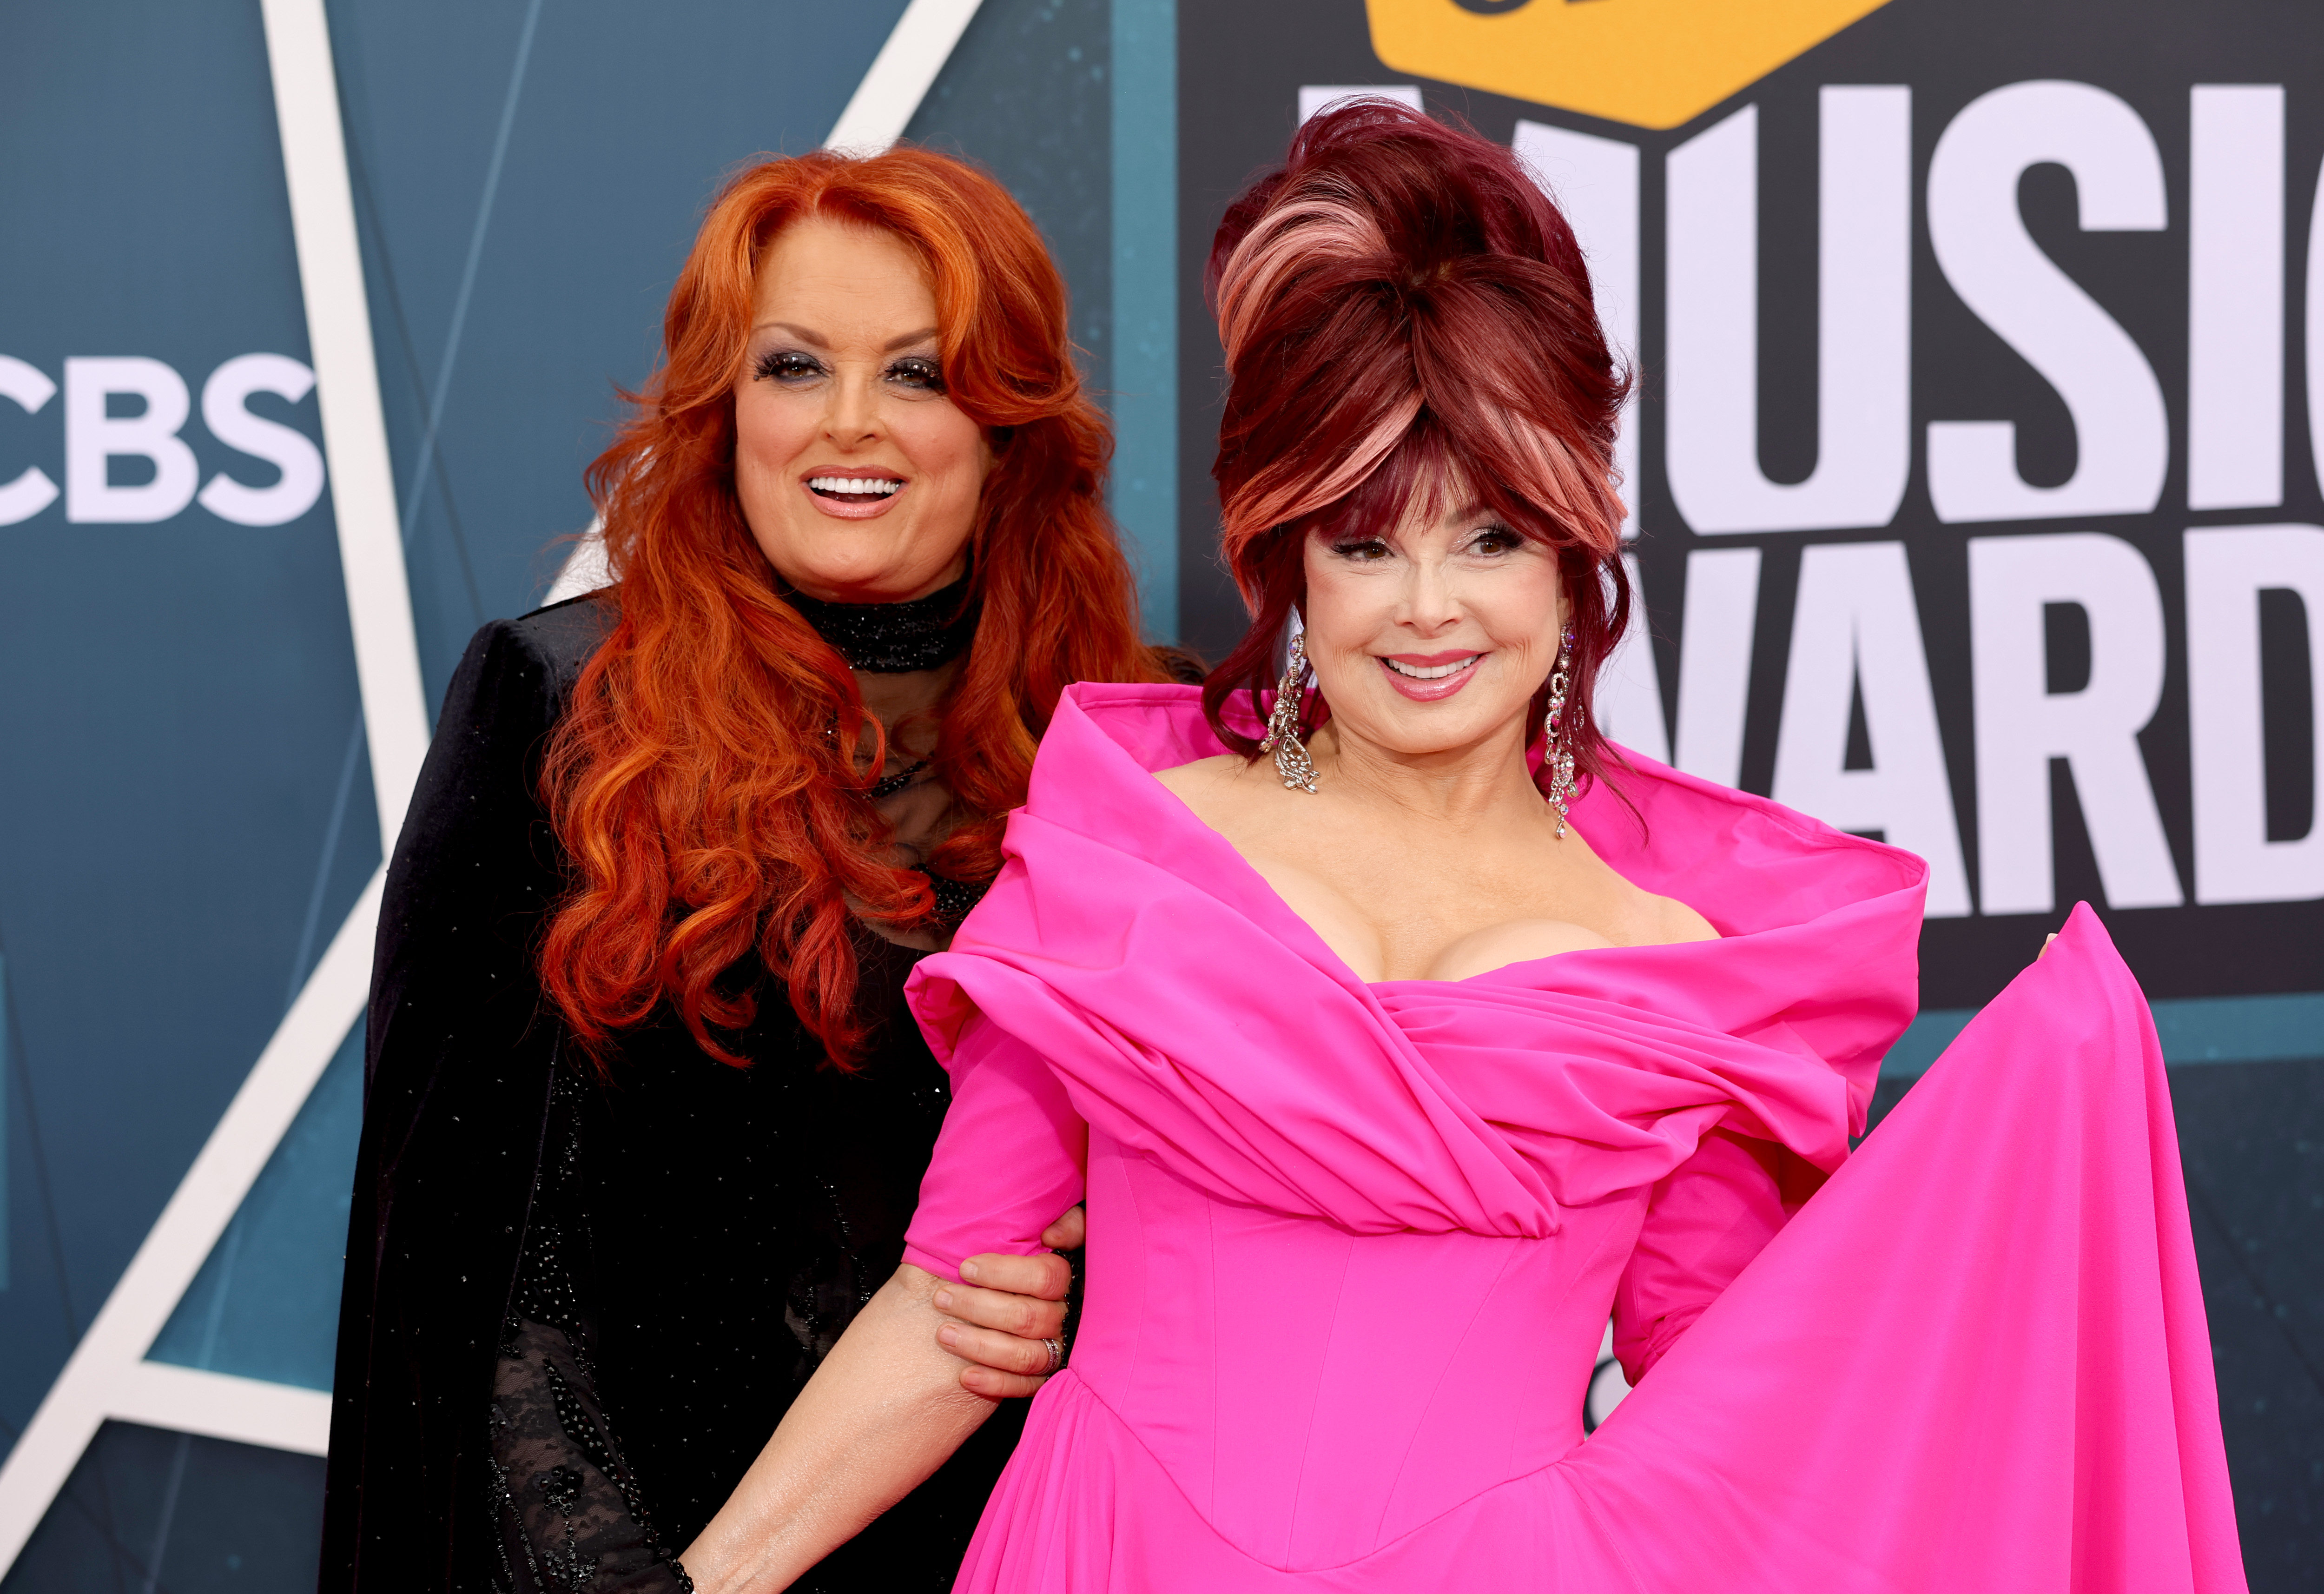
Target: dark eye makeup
[(1489, 539), (794, 367), (786, 366)]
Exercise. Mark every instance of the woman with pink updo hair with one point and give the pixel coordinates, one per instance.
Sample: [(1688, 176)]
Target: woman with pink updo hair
[(1399, 1030)]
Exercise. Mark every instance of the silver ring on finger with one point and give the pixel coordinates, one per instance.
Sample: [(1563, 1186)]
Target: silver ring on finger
[(1056, 1350)]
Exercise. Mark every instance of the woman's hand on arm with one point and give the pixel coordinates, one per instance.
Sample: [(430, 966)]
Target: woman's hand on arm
[(1005, 1308), (884, 1410)]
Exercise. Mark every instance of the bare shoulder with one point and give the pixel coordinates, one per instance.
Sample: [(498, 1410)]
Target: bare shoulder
[(1626, 913), (1205, 783), (1678, 922)]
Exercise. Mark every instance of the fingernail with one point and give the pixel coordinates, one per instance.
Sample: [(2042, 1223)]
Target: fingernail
[(944, 1300), (948, 1335), (968, 1271)]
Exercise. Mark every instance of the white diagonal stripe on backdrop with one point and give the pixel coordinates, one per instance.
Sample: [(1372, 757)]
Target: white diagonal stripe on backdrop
[(346, 383), (916, 49), (219, 1406), (107, 1375)]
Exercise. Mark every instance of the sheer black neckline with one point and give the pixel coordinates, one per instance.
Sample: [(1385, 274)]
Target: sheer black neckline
[(894, 639)]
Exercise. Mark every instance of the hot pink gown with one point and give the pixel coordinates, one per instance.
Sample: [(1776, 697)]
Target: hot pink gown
[(1352, 1247)]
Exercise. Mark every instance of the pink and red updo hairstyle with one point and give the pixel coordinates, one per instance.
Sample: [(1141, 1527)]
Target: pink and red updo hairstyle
[(1402, 307)]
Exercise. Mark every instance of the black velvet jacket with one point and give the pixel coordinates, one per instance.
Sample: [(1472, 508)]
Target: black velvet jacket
[(720, 1225)]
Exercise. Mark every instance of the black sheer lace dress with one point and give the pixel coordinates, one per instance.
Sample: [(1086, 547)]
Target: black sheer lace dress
[(574, 1310)]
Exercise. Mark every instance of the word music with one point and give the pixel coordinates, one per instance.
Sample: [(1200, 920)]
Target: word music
[(1857, 650)]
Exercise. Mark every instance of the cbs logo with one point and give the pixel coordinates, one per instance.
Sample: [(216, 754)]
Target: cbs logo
[(95, 437)]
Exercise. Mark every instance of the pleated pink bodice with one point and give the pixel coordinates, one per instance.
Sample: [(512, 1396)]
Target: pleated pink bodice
[(1352, 1247)]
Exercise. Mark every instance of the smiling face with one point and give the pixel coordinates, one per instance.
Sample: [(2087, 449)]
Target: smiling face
[(1433, 637), (858, 477)]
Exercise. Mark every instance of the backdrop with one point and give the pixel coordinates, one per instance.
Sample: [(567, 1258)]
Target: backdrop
[(1973, 481)]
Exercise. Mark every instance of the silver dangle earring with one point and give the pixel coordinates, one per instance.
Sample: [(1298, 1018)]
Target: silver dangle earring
[(1557, 754), (1291, 760)]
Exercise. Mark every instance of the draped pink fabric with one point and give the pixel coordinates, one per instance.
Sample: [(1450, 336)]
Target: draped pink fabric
[(1352, 1247)]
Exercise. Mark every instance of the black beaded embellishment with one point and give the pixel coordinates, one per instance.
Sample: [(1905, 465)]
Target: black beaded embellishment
[(954, 897), (890, 785), (565, 1497), (894, 639)]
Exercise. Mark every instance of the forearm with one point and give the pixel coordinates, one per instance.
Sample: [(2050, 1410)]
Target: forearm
[(884, 1410)]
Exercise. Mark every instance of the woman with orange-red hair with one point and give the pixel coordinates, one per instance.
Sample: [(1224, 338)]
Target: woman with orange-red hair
[(645, 1117)]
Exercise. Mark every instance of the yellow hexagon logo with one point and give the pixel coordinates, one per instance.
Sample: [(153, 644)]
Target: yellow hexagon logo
[(1651, 63)]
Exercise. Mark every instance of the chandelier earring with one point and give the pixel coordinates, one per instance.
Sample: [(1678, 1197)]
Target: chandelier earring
[(1557, 754), (1291, 760)]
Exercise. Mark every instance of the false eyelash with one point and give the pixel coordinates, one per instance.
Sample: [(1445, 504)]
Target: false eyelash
[(770, 364)]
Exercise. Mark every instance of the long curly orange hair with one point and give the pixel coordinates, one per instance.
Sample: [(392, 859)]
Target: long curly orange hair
[(701, 781)]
